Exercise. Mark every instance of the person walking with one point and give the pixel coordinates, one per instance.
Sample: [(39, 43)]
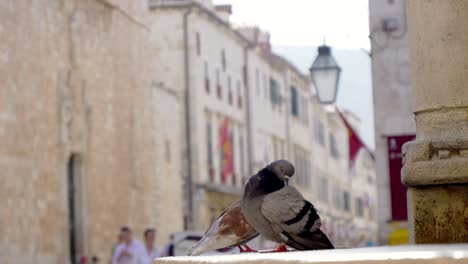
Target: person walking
[(169, 251), (150, 250), (129, 251)]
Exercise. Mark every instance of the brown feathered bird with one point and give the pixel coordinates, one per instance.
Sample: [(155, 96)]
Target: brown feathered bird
[(230, 229)]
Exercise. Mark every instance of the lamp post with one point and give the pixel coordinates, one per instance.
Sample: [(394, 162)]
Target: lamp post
[(325, 73)]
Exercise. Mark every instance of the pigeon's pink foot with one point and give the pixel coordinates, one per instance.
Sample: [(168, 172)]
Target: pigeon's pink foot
[(247, 249), (280, 248)]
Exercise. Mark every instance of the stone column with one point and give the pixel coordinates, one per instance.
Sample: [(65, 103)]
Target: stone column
[(436, 163)]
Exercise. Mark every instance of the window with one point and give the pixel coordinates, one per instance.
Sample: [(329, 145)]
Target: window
[(223, 60), (229, 85), (319, 132), (206, 74), (333, 147), (257, 81), (337, 197), (197, 40), (274, 92), (305, 111), (371, 213), (265, 86), (301, 158), (305, 167), (323, 191), (168, 151), (239, 94), (294, 102), (209, 151), (359, 207), (298, 164), (218, 85), (346, 201)]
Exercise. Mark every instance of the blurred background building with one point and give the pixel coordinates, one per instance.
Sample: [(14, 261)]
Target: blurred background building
[(394, 120), (80, 148), (154, 114)]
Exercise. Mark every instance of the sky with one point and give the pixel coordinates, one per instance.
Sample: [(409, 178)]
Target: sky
[(343, 23), (297, 27)]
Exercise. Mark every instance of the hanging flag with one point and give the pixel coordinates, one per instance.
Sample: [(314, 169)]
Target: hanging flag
[(395, 163), (226, 152), (355, 142)]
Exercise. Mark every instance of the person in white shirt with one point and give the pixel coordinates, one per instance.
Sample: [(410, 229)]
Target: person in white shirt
[(150, 250), (129, 251)]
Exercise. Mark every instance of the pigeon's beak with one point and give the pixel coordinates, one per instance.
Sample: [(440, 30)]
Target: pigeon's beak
[(286, 179)]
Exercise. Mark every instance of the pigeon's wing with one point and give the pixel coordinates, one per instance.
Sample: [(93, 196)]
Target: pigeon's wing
[(294, 219), (234, 223), (287, 210)]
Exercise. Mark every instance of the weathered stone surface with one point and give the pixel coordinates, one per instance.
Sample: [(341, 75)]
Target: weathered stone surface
[(439, 57), (441, 214), (76, 78), (435, 162), (436, 166)]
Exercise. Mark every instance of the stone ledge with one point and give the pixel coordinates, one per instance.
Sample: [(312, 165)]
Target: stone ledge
[(433, 162), (414, 254)]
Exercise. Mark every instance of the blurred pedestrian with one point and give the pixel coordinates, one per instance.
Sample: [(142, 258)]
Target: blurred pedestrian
[(129, 251), (151, 251), (169, 249), (94, 260), (119, 240)]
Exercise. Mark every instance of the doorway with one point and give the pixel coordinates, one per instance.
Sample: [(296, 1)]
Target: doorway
[(74, 208)]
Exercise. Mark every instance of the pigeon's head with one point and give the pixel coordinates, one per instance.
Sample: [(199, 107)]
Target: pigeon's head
[(283, 168)]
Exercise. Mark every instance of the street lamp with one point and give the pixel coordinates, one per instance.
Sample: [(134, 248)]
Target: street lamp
[(325, 74)]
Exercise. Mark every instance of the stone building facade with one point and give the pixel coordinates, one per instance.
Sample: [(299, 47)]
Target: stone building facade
[(206, 69), (235, 82), (79, 148), (393, 117), (108, 117)]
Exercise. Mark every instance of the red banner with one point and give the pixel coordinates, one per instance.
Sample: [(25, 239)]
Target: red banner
[(397, 189), (355, 142), (227, 166)]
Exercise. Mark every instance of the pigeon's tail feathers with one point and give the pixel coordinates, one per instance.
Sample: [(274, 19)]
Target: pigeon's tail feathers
[(323, 239), (208, 243), (201, 246), (309, 240)]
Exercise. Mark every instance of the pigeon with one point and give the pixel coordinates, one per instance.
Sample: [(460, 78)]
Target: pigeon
[(279, 212), (230, 229)]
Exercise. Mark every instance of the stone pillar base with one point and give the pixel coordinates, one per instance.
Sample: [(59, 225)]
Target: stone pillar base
[(440, 213), (436, 172)]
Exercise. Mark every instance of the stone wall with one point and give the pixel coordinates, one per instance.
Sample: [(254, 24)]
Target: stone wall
[(76, 80), (435, 168)]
